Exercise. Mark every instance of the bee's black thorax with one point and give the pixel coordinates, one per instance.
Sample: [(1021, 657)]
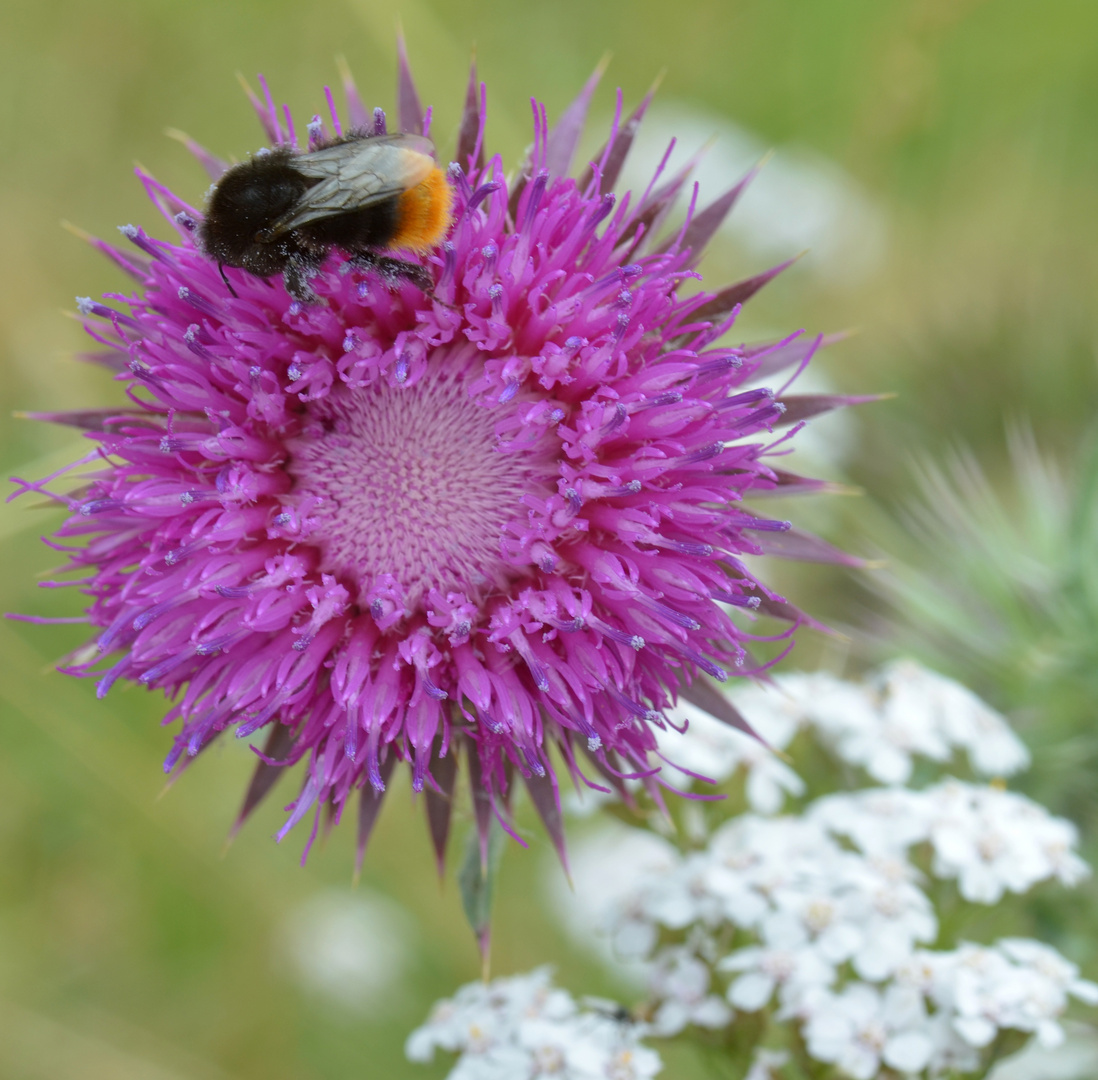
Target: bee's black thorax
[(247, 199)]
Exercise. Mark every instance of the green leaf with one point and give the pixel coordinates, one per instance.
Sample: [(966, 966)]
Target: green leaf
[(477, 879)]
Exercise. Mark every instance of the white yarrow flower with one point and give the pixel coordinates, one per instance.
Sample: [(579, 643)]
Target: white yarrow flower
[(900, 713), (996, 841), (710, 748), (862, 1028), (680, 982), (880, 821), (960, 718), (1051, 965), (991, 841), (793, 969), (523, 1027), (766, 1065)]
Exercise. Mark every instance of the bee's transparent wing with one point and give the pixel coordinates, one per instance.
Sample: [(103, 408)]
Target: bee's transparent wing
[(357, 174)]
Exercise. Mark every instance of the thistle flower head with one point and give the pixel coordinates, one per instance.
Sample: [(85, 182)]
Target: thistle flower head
[(490, 519)]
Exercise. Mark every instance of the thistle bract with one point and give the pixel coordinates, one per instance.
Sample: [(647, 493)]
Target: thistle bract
[(493, 519)]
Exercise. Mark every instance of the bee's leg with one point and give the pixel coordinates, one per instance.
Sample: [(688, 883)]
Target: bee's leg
[(298, 270), (394, 271)]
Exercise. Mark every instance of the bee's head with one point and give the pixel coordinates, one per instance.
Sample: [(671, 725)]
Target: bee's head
[(248, 199)]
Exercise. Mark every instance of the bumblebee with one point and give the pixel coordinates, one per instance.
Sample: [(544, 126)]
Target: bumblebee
[(283, 212)]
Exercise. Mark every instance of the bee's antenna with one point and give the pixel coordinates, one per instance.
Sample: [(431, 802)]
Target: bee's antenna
[(221, 271)]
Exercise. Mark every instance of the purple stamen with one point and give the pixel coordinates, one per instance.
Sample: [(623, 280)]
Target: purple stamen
[(481, 194), (189, 296), (86, 306)]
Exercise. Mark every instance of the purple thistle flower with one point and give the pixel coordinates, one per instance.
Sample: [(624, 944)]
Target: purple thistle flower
[(493, 520)]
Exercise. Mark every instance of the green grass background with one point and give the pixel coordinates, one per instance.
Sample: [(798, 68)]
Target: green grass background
[(130, 947)]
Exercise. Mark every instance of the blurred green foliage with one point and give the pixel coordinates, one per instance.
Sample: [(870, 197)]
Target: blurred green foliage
[(129, 947), (1000, 589)]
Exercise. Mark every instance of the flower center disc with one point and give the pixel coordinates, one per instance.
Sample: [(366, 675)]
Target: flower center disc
[(408, 482)]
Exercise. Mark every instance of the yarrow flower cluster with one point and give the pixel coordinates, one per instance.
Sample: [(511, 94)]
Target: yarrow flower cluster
[(830, 923), (990, 841), (810, 906), (499, 517), (945, 1008), (522, 1026), (881, 725)]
